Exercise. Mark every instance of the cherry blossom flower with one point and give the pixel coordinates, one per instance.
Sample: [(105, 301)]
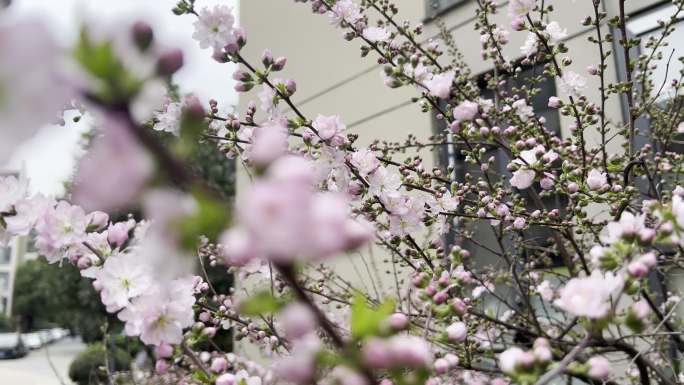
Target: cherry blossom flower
[(440, 84), (28, 211), (214, 27), (628, 226), (466, 111), (365, 161), (123, 278), (524, 176), (114, 170), (345, 11), (511, 359), (523, 111), (330, 129), (168, 120), (59, 228), (599, 368), (457, 332), (376, 34), (596, 179), (572, 83), (529, 48), (12, 191), (556, 32), (383, 181), (545, 290), (590, 296), (517, 8)]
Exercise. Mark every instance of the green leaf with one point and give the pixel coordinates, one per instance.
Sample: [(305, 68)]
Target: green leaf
[(367, 321), (262, 303)]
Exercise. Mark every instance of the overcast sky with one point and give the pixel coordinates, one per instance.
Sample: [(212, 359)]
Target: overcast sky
[(48, 158)]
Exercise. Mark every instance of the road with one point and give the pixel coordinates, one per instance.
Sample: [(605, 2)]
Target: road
[(35, 368)]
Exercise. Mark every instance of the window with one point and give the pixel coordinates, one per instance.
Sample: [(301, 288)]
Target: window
[(4, 282), (535, 236), (5, 255), (665, 67), (435, 7)]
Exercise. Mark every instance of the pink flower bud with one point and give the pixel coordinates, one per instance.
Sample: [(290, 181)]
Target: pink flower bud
[(459, 306), (279, 63), (641, 309), (452, 359), (441, 366), (637, 269), (161, 366), (599, 368), (142, 35), (554, 102), (219, 365), (84, 263), (573, 187), (169, 62), (226, 379), (457, 332), (164, 350), (398, 321), (97, 220), (649, 259), (209, 332), (440, 297), (517, 24), (519, 223)]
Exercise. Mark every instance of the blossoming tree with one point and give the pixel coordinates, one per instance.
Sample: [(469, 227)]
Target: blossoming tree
[(316, 195)]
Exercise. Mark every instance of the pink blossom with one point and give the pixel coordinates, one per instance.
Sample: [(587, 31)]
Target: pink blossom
[(59, 228), (590, 296), (330, 129), (365, 161), (219, 364), (599, 368), (114, 170), (457, 332), (383, 181), (518, 8), (117, 233), (556, 33), (269, 142), (440, 84), (466, 111), (529, 48), (545, 290), (28, 211), (398, 321), (122, 278), (376, 34), (226, 379), (511, 359), (345, 11), (237, 247), (214, 27), (596, 179), (554, 102), (572, 83), (297, 320)]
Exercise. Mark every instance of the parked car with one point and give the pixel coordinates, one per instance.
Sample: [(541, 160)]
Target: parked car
[(46, 336), (32, 340), (12, 346)]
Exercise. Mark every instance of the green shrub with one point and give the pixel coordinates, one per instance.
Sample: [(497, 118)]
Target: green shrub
[(88, 368)]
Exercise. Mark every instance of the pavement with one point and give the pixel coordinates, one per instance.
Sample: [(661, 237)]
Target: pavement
[(35, 368)]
